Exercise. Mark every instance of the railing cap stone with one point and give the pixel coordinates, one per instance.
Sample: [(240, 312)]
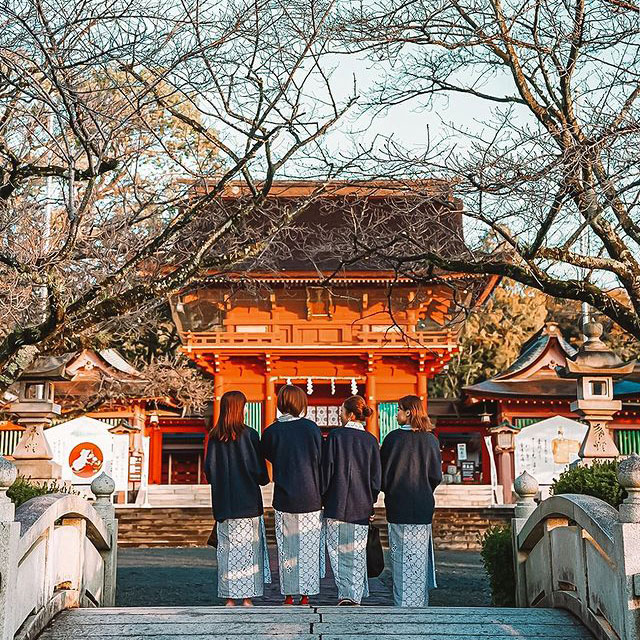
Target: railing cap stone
[(526, 486), (103, 486), (629, 472), (8, 473)]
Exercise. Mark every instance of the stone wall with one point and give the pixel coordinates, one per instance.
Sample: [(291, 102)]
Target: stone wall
[(453, 527), (461, 527)]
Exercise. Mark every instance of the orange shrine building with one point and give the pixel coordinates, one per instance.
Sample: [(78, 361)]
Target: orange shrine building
[(365, 330)]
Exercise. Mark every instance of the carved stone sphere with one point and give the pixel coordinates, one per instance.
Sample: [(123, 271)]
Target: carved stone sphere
[(8, 473), (103, 485), (526, 485), (629, 472)]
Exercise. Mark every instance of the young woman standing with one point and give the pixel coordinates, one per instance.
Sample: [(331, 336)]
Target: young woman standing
[(293, 445), (235, 468), (351, 477), (411, 470)]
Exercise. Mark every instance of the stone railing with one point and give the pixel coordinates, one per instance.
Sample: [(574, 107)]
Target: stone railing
[(578, 553), (57, 551)]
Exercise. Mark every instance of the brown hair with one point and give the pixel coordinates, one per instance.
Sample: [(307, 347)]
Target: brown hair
[(231, 421), (357, 406), (292, 400), (419, 419)]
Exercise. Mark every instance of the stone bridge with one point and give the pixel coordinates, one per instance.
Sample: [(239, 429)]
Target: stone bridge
[(576, 559)]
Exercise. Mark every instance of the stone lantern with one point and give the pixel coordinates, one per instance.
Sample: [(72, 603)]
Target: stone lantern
[(505, 439), (595, 367), (35, 410)]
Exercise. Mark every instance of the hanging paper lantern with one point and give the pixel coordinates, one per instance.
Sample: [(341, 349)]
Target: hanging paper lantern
[(333, 386), (354, 387), (309, 386)]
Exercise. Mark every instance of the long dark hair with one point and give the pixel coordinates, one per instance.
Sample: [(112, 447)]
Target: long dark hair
[(231, 421), (419, 419), (357, 406)]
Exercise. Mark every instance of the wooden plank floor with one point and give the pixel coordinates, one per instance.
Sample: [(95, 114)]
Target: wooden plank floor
[(314, 623)]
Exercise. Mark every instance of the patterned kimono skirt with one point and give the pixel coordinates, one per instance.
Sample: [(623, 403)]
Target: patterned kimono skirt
[(412, 564), (300, 540), (243, 559), (347, 547)]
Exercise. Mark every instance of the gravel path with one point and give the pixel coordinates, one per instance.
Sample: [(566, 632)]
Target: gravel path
[(187, 577)]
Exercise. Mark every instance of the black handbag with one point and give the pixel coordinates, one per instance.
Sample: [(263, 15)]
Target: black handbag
[(212, 540), (375, 556)]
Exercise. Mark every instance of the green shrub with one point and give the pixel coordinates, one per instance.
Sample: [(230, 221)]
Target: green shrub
[(24, 489), (497, 557), (599, 480)]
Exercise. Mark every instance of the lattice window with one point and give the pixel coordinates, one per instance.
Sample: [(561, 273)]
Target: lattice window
[(253, 415), (387, 412), (519, 423), (628, 441)]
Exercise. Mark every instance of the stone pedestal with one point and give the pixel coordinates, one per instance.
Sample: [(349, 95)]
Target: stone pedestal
[(627, 543), (39, 470), (102, 488), (526, 488), (33, 456), (598, 443)]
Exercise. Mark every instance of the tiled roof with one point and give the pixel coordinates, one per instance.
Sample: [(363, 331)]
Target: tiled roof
[(535, 347)]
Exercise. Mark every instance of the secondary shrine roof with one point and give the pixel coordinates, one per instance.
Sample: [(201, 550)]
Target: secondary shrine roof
[(533, 374)]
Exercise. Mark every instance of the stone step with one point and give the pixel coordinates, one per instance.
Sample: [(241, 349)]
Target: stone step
[(315, 623), (450, 495)]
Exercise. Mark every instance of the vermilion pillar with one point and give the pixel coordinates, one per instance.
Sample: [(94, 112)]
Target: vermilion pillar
[(155, 455), (270, 400), (422, 388)]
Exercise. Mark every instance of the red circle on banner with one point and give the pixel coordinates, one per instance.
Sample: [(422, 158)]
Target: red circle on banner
[(86, 459)]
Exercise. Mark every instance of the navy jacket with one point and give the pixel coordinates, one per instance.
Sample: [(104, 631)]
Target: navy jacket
[(351, 475), (235, 470), (294, 448), (411, 470)]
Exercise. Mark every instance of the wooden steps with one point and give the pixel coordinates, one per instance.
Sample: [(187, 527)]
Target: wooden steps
[(315, 623)]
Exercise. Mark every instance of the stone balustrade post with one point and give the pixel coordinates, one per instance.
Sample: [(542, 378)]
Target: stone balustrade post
[(627, 538), (9, 539), (526, 488), (102, 488)]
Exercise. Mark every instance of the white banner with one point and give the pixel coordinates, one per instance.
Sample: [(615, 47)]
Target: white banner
[(494, 472)]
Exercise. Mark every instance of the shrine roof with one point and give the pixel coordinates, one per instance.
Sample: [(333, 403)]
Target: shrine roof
[(62, 367), (533, 349), (319, 236), (534, 373)]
